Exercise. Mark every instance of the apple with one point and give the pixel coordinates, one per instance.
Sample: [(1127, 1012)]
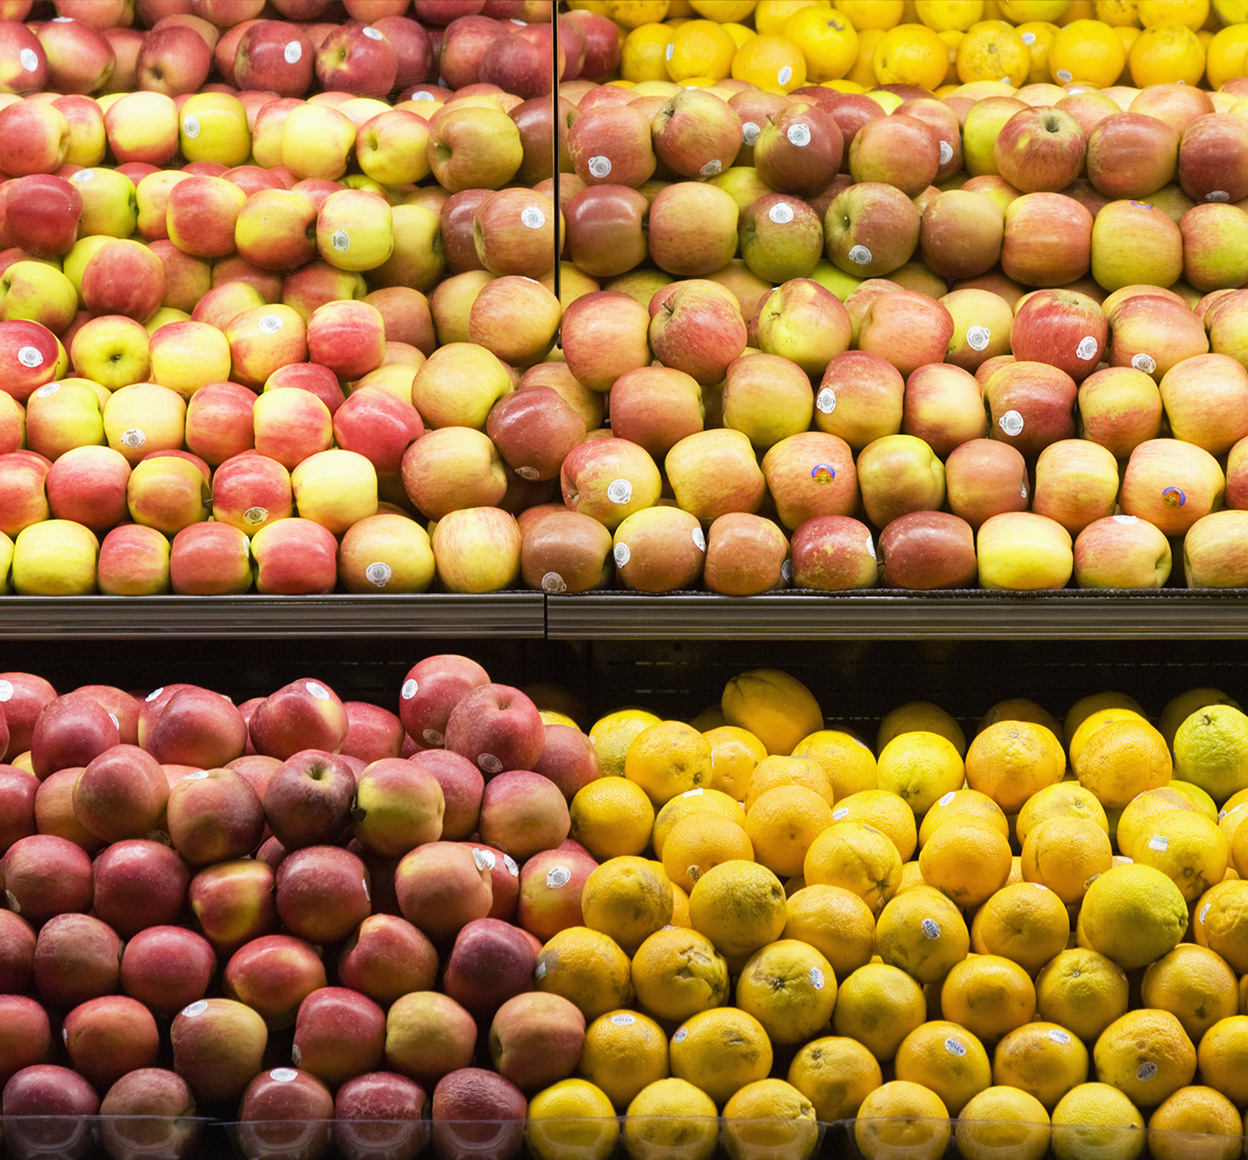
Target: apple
[(943, 406), (961, 234), (714, 472), (810, 474), (399, 805), (899, 474), (1047, 240), (1122, 552), (1153, 333), (173, 60), (380, 1113), (214, 816), (233, 902), (860, 398), (604, 335), (274, 55), (497, 727), (746, 554), (29, 354), (696, 326), (490, 962), (516, 318), (285, 1111), (870, 229), (1135, 242), (458, 384), (167, 492), (1213, 158), (696, 135), (565, 551), (901, 150), (452, 468), (166, 968), (1171, 484), (522, 812), (612, 145), (1132, 155), (22, 697), (76, 958), (907, 328), (474, 147), (981, 125), (1023, 552), (477, 549), (121, 794), (315, 141), (1202, 400), (514, 231), (799, 149), (149, 1110), (48, 1110), (133, 561), (1211, 245), (923, 551), (1065, 328), (477, 1111), (781, 238), (17, 790), (272, 975), (41, 214), (300, 715), (431, 689), (1076, 482), (109, 1036), (322, 892), (442, 887), (984, 477), (1119, 408), (678, 251), (1030, 405), (767, 397), (606, 229), (1040, 149), (550, 888)]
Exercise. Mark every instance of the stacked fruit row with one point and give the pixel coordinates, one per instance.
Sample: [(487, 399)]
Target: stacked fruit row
[(323, 921), (256, 339)]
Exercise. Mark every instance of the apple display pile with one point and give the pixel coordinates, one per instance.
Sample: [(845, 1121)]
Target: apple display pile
[(263, 329)]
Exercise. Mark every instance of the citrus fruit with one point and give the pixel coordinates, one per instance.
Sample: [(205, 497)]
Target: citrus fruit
[(993, 52), (739, 906), (611, 816), (776, 707), (827, 41), (586, 967), (836, 922), (849, 764), (901, 1118), (720, 1051), (622, 1053), (1020, 11), (700, 800), (1166, 54), (1183, 705), (878, 1005), (1120, 759), (946, 15), (1012, 760), (769, 1119), (700, 48), (872, 14), (988, 995), (571, 1120), (1086, 51), (1066, 855), (1222, 917), (790, 988), (1082, 991), (1146, 1054), (1136, 819), (670, 1119), (770, 16), (923, 933), (862, 73), (1002, 1121), (700, 841), (726, 11), (1038, 36), (628, 898), (920, 717), (1226, 55), (1096, 1119), (836, 1074), (668, 758), (858, 858), (1188, 848), (613, 733), (1020, 709), (1195, 985), (1094, 703), (734, 754), (967, 859), (777, 770), (676, 973), (946, 1059), (1132, 914), (1222, 1056), (643, 55), (631, 13), (1024, 922), (1195, 1112), (1211, 750), (886, 812), (920, 767), (781, 824), (1045, 1060), (964, 803), (1190, 14)]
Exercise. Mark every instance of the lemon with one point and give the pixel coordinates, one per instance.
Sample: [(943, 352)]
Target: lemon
[(734, 754), (1087, 51), (772, 64), (1137, 816), (725, 11), (1183, 705), (1211, 750), (776, 707), (1066, 799), (993, 53), (643, 56), (700, 841), (633, 13), (1083, 708), (1120, 759)]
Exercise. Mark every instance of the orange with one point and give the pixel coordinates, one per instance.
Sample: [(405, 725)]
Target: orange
[(1020, 708), (902, 1119), (1227, 55), (836, 1074), (700, 48), (949, 15), (923, 933), (611, 816), (967, 860), (886, 812), (1145, 1054), (790, 988), (1038, 36), (622, 1053), (708, 801), (1132, 914), (1066, 855), (613, 733), (1222, 921), (862, 72), (700, 841), (1082, 991), (772, 704), (1183, 705), (920, 716), (628, 898), (911, 54), (920, 767), (643, 55), (993, 52), (1195, 985), (964, 803), (1120, 759), (827, 41), (631, 13), (781, 824), (777, 770), (770, 63), (988, 995), (1195, 1112), (770, 16), (1043, 1059), (1003, 1121), (1012, 760), (1137, 816), (671, 1119), (1223, 1058), (769, 1117), (946, 1059), (878, 1005), (1093, 703), (1024, 922), (668, 758), (872, 14), (725, 11), (1165, 54), (1093, 721), (586, 967), (571, 1118), (848, 762), (1190, 14), (1066, 799), (734, 754), (739, 906), (676, 973), (720, 1051), (1087, 51), (834, 921), (1118, 13), (858, 858), (1188, 848), (1096, 1119)]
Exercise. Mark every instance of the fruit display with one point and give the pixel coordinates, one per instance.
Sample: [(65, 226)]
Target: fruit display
[(345, 295), (474, 922)]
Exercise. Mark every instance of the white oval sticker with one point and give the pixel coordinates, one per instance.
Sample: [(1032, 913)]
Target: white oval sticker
[(620, 491), (409, 690), (378, 574), (190, 125), (860, 255), (978, 337), (1011, 423), (799, 134), (317, 690), (781, 213), (532, 217), (133, 437), (599, 167), (1087, 348), (621, 554), (553, 582), (558, 876), (340, 240), (825, 401), (293, 52), (270, 323), (30, 356)]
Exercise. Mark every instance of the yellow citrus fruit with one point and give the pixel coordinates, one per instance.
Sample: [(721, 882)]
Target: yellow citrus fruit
[(886, 812), (951, 38), (834, 921), (946, 1059), (677, 973), (734, 754), (1195, 1112), (1025, 922), (827, 41), (1211, 750), (1188, 848), (1197, 797), (862, 72), (739, 33), (1204, 907), (692, 801), (878, 1006), (1190, 14), (778, 770), (1038, 36), (700, 48), (1093, 721), (1118, 13), (1137, 815), (1222, 1055), (631, 13), (668, 758), (725, 11), (836, 1074), (1146, 1054), (1096, 1119), (1012, 760), (1121, 759), (790, 988), (571, 1120), (849, 764), (1020, 709), (946, 15), (680, 906), (622, 1053), (1166, 54), (920, 767), (1042, 1059), (967, 860), (923, 933), (1195, 985), (872, 14), (781, 824), (858, 858), (586, 967), (1086, 51), (964, 803), (613, 733), (1067, 799), (1081, 990), (739, 906), (1002, 1121), (1022, 11), (920, 717), (769, 1118), (770, 16), (776, 707), (1226, 55), (700, 841), (1132, 914), (1184, 704), (628, 898), (643, 55), (611, 816), (990, 52), (670, 1119), (720, 1051), (899, 1119), (774, 65), (1066, 855), (988, 995), (1223, 921), (1083, 708), (911, 879)]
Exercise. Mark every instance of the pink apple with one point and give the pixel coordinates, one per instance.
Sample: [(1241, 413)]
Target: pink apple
[(923, 551), (746, 554)]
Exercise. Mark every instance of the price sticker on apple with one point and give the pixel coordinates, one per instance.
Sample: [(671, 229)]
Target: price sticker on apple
[(532, 217), (30, 356), (699, 539), (712, 168), (47, 390), (1144, 362), (1217, 195), (859, 255), (190, 125), (823, 473), (558, 876), (270, 323), (946, 153), (749, 132), (1087, 348), (378, 574), (620, 491), (553, 582), (340, 240), (621, 554), (293, 52), (29, 61), (978, 337), (781, 213), (799, 134), (133, 437), (283, 1074), (825, 401), (600, 167), (1011, 423)]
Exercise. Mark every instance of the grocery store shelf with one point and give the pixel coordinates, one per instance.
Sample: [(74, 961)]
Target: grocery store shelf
[(507, 614), (877, 615)]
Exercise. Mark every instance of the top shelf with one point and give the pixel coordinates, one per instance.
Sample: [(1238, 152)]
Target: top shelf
[(868, 615)]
